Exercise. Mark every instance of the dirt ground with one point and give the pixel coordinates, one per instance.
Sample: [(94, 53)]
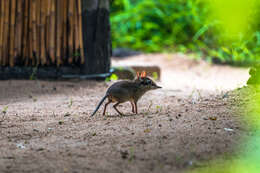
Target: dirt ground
[(45, 125)]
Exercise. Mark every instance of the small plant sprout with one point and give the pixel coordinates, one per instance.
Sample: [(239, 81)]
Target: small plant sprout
[(76, 54), (34, 99), (33, 75), (70, 103), (132, 154), (146, 113), (4, 111), (158, 108)]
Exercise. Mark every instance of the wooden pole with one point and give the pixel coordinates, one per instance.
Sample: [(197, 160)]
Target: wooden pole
[(52, 33), (19, 30), (34, 32), (43, 31), (96, 36), (6, 33), (2, 29), (47, 29), (70, 32), (26, 33), (38, 31), (12, 33), (59, 31), (81, 48), (30, 45), (65, 31), (76, 32)]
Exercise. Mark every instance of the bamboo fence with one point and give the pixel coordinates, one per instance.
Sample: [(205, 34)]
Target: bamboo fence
[(40, 32)]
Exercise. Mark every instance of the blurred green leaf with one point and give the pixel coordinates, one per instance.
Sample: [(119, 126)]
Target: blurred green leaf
[(188, 25), (113, 77)]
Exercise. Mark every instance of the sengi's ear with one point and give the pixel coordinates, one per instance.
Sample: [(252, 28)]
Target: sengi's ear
[(143, 74), (137, 74)]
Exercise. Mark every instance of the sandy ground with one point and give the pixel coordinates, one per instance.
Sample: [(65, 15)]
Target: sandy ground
[(45, 125)]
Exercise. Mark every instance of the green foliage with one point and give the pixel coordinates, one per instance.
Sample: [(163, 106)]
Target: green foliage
[(154, 24), (254, 75), (113, 77), (180, 25)]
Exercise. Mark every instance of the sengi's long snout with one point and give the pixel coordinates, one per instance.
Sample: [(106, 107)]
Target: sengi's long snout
[(156, 87)]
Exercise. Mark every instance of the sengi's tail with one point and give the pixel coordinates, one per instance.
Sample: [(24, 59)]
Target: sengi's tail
[(100, 103)]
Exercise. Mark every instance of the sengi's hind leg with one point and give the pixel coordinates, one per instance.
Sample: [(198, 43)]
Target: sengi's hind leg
[(104, 112), (135, 102), (133, 106), (115, 107)]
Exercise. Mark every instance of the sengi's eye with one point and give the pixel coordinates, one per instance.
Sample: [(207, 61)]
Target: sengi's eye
[(146, 82), (143, 83)]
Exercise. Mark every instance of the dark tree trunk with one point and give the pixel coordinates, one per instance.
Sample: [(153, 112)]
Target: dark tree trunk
[(96, 36)]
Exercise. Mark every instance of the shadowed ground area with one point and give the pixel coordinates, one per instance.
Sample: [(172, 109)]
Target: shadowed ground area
[(45, 125)]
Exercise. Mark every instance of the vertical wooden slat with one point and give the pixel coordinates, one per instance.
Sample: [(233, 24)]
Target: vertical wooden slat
[(76, 32), (26, 33), (48, 12), (59, 31), (43, 31), (6, 31), (19, 24), (12, 33), (30, 34), (80, 33), (65, 31), (34, 32), (70, 31), (38, 30), (2, 29), (52, 32)]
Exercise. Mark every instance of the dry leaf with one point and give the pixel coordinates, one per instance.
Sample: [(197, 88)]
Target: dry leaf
[(213, 118), (147, 131)]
